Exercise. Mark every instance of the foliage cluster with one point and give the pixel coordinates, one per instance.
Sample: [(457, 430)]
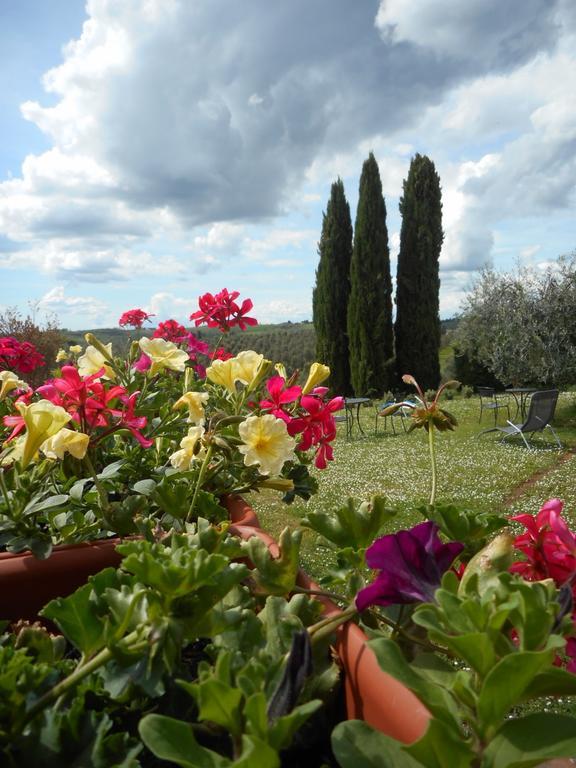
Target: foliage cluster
[(521, 326)]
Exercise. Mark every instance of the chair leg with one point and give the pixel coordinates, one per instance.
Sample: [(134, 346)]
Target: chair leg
[(555, 435)]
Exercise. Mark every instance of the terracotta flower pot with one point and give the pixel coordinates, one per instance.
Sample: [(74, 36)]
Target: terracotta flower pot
[(27, 584)]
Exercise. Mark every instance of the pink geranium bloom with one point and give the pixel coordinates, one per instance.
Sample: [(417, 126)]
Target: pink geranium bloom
[(143, 363), (134, 318), (549, 547), (85, 398), (127, 419), (279, 395), (222, 311), (317, 426)]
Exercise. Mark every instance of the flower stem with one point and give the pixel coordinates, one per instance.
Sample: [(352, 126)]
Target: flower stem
[(102, 495), (201, 475), (329, 624), (432, 462), (4, 489), (319, 593)]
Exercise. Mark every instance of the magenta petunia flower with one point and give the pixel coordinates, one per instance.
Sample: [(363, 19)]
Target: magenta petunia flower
[(410, 564)]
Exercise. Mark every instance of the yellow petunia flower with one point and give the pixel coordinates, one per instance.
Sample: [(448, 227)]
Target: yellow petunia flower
[(318, 374), (223, 372), (163, 354), (194, 401), (266, 443), (10, 381), (43, 420), (93, 360), (66, 441), (246, 366), (189, 452)]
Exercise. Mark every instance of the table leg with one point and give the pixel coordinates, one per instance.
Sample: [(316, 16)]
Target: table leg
[(358, 419)]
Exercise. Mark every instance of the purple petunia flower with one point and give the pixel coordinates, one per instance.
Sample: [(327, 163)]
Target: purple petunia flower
[(410, 564)]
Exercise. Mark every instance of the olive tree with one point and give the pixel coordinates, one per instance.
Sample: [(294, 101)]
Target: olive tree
[(522, 325)]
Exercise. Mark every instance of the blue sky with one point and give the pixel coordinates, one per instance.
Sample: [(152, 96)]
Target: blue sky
[(155, 150)]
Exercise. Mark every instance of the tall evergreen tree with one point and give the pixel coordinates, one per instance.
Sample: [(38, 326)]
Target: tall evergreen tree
[(330, 297), (417, 327), (370, 332)]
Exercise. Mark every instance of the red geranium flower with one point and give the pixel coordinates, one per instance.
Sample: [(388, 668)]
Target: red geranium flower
[(134, 318), (548, 546), (171, 330), (19, 356), (222, 311)]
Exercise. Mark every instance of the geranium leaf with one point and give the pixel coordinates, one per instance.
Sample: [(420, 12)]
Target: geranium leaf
[(276, 575), (76, 617)]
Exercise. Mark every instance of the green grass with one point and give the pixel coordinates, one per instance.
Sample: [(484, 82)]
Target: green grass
[(476, 472)]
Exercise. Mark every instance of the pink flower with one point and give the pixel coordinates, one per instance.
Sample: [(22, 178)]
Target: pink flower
[(317, 426), (19, 356), (134, 318), (548, 545), (127, 419), (222, 311), (143, 363), (170, 330), (221, 354), (279, 396)]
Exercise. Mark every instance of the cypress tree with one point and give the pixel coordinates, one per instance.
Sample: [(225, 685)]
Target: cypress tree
[(417, 327), (330, 296), (370, 332)]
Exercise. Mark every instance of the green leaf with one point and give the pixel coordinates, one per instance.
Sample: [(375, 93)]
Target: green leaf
[(442, 747), (282, 731), (552, 682), (354, 525), (256, 754), (358, 745), (276, 575), (220, 703), (528, 741), (504, 685), (174, 740), (75, 617), (391, 660), (145, 487), (476, 649), (111, 471), (50, 503)]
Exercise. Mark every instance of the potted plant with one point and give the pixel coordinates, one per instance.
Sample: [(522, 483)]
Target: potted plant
[(164, 433), (184, 656)]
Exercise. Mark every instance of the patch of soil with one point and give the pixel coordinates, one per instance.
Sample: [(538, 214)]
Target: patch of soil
[(521, 489)]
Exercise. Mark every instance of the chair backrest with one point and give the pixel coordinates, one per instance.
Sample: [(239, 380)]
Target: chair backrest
[(541, 412), (485, 391)]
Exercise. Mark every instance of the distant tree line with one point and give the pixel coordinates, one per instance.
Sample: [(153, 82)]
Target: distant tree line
[(352, 298)]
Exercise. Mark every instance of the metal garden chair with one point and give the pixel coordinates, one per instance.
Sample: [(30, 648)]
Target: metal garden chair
[(540, 414), (489, 401)]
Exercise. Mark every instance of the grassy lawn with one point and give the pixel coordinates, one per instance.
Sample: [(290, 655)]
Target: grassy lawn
[(475, 472)]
